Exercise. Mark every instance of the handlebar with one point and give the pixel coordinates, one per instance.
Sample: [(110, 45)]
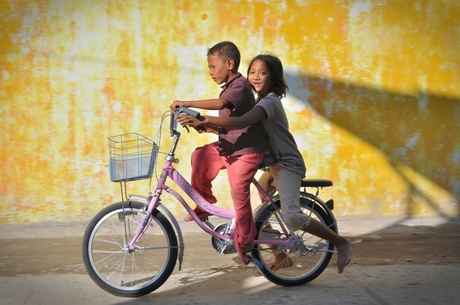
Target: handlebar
[(185, 110), (182, 111)]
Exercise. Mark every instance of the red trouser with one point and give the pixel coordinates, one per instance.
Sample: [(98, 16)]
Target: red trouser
[(206, 164)]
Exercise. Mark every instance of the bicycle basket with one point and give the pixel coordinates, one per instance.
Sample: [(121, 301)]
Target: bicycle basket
[(132, 157)]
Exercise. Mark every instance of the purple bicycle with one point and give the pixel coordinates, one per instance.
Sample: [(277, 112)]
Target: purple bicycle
[(130, 248)]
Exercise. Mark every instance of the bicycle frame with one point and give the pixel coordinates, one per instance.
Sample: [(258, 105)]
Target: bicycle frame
[(133, 265)]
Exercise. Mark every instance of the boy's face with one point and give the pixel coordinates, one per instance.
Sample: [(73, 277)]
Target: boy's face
[(260, 78), (219, 69)]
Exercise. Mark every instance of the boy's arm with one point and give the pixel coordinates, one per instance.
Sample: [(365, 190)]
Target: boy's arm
[(211, 104)]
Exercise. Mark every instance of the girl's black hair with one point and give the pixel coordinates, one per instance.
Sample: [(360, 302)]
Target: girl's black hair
[(274, 65)]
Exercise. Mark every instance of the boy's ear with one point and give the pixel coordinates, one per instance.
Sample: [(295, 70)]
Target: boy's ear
[(230, 64)]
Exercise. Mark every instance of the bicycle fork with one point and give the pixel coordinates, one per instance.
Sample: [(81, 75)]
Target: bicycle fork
[(143, 226)]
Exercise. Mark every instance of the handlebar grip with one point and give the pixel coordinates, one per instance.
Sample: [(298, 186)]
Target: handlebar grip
[(172, 123), (188, 111)]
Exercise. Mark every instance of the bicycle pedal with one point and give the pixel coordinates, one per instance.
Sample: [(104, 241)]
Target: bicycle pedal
[(255, 261)]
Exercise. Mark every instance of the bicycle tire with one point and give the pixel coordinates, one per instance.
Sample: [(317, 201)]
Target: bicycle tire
[(295, 268), (129, 273)]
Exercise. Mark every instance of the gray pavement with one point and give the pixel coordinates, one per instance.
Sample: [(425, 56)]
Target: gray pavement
[(219, 279), (358, 285)]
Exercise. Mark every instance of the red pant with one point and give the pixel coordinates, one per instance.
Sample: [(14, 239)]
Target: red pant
[(206, 164)]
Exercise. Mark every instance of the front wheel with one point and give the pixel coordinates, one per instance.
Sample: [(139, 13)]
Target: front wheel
[(116, 269), (299, 264)]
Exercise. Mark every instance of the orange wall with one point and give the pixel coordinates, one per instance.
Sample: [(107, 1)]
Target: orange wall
[(374, 98)]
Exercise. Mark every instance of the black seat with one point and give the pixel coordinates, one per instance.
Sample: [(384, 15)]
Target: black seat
[(316, 183)]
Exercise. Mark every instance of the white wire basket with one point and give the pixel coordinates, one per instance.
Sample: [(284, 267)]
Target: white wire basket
[(132, 157)]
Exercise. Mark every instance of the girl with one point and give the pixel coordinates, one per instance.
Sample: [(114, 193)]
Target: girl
[(265, 73)]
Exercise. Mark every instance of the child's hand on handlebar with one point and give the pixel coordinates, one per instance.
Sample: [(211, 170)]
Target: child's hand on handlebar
[(199, 124), (176, 105), (188, 120)]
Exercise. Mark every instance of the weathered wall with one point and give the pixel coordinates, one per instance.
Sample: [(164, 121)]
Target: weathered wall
[(374, 101)]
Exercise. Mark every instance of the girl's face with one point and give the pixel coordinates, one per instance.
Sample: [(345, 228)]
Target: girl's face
[(219, 69), (260, 78)]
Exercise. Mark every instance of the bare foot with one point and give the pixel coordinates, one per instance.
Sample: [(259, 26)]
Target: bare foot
[(344, 255), (281, 261), (199, 212)]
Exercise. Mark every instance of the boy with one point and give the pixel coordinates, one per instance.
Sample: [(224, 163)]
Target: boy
[(239, 151)]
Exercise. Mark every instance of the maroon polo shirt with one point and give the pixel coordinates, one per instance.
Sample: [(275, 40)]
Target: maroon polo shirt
[(238, 93)]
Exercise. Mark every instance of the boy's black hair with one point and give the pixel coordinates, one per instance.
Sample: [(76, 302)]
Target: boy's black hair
[(274, 65), (227, 49)]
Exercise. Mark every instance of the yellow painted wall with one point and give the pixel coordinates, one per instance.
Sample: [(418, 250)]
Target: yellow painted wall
[(374, 97)]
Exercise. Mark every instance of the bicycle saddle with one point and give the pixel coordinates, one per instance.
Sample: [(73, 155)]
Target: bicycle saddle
[(316, 183)]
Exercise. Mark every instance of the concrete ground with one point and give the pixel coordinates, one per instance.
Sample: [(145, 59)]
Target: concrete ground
[(395, 261)]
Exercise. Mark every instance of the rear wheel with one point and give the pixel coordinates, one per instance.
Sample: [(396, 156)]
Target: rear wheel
[(302, 263), (129, 273)]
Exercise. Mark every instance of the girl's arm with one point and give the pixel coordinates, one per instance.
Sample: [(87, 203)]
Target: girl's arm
[(253, 116)]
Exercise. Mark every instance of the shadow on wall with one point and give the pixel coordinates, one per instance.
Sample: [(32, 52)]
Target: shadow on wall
[(421, 133)]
